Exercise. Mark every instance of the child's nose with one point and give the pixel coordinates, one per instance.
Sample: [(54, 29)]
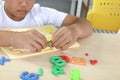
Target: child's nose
[(23, 3)]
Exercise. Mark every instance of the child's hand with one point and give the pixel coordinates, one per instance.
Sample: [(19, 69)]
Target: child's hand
[(63, 38), (32, 40)]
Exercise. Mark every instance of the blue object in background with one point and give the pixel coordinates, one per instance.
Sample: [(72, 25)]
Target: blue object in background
[(3, 60), (29, 76)]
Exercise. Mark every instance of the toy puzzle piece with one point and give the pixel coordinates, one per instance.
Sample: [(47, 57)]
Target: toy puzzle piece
[(57, 70), (66, 58), (80, 61), (3, 60), (15, 53), (40, 72), (75, 74), (75, 60), (93, 62), (29, 76), (56, 60)]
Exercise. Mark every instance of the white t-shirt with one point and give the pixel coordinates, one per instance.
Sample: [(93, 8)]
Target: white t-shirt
[(38, 16), (0, 2)]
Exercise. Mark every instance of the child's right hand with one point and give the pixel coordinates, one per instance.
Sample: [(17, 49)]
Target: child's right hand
[(32, 40)]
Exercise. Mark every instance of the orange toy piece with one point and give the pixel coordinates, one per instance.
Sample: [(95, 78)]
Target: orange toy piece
[(75, 60), (79, 61), (82, 61)]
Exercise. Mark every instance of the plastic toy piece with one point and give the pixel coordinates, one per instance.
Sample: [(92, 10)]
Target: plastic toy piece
[(40, 72), (86, 54), (60, 63), (66, 58), (82, 61), (26, 76), (48, 44), (93, 62), (54, 58), (49, 41), (3, 60), (57, 61), (75, 74), (57, 70), (75, 60)]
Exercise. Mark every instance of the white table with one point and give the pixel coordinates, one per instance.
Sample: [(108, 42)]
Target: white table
[(103, 47)]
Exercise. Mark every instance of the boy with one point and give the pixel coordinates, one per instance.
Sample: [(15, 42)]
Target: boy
[(25, 13)]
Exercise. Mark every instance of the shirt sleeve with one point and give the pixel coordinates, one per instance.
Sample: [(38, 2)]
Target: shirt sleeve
[(0, 13), (0, 2), (54, 17)]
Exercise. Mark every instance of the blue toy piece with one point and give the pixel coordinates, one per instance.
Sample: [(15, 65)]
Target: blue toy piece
[(29, 76), (3, 60)]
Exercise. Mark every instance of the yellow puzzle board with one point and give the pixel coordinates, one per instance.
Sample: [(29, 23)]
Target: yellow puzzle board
[(15, 53)]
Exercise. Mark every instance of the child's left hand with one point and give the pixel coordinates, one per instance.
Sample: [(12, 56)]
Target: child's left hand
[(63, 38)]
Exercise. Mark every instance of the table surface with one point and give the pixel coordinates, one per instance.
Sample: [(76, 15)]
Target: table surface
[(105, 48)]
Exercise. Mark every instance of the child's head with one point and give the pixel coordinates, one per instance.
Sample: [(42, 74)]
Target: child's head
[(17, 9)]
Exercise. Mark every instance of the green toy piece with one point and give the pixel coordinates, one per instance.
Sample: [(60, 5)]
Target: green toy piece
[(49, 42), (75, 74), (57, 61), (54, 58), (57, 70), (40, 72)]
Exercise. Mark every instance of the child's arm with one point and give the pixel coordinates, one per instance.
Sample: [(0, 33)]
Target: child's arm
[(79, 26), (32, 40), (72, 29), (5, 38)]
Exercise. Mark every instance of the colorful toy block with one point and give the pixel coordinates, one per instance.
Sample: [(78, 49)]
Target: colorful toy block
[(57, 70), (56, 60), (66, 58), (3, 60), (29, 76), (75, 74), (40, 72)]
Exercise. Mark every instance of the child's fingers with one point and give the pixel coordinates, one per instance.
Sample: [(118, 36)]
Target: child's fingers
[(41, 36), (59, 41), (37, 46), (66, 46), (65, 42), (30, 47), (56, 36), (40, 41)]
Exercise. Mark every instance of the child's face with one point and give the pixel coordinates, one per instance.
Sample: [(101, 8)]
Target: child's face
[(17, 9)]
